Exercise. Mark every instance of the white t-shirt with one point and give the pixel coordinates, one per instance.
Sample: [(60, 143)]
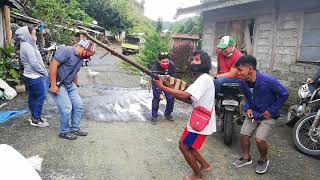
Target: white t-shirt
[(202, 94)]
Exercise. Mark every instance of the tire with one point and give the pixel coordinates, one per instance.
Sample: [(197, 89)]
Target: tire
[(297, 134), (228, 127)]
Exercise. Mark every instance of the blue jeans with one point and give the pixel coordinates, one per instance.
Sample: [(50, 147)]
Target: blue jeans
[(156, 99), (218, 83), (70, 108), (37, 91)]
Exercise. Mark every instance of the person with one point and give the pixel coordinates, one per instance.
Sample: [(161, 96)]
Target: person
[(64, 86), (314, 82), (200, 93), (34, 74), (77, 37), (162, 66), (227, 56), (264, 96)]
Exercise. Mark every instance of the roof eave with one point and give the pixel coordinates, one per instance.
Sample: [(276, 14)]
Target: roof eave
[(219, 4)]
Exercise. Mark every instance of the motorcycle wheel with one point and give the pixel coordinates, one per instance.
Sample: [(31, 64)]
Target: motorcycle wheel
[(228, 127), (309, 145)]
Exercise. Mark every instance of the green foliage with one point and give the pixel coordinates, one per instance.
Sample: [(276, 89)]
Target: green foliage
[(153, 45), (188, 26), (57, 15), (6, 68), (140, 22), (111, 14)]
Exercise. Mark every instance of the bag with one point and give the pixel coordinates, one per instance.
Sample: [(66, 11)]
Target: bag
[(200, 118)]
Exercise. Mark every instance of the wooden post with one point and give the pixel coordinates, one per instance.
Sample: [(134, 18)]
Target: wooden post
[(7, 24)]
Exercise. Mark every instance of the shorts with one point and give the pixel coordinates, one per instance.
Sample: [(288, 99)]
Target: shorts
[(192, 140), (263, 129)]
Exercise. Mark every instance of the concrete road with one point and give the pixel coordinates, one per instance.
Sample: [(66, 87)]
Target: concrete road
[(122, 145)]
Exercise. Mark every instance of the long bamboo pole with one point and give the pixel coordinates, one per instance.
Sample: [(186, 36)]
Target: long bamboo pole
[(121, 56)]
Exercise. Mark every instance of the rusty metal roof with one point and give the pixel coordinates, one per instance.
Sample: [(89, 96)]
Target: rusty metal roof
[(186, 36)]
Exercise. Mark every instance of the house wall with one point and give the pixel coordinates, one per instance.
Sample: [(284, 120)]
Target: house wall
[(277, 37)]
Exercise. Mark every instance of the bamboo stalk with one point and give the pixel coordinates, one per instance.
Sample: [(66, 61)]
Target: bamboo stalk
[(121, 56)]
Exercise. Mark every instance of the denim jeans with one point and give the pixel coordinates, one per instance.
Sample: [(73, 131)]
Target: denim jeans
[(70, 108), (218, 83), (37, 91), (156, 99)]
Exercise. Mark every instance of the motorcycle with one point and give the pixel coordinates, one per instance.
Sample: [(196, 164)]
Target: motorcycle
[(306, 133), (303, 106), (48, 53), (230, 112), (304, 116)]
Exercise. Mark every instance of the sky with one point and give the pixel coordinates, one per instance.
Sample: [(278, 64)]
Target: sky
[(166, 8)]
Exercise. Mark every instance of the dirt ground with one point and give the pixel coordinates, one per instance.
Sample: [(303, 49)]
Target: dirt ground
[(122, 145)]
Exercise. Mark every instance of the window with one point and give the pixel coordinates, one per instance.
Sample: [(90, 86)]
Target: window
[(310, 41)]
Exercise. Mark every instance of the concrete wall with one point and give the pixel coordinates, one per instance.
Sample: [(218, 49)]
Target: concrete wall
[(277, 36)]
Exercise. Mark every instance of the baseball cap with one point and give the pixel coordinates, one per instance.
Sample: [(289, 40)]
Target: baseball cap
[(88, 45), (225, 42)]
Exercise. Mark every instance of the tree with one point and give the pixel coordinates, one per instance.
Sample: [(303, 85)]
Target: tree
[(159, 24), (188, 26), (153, 45), (111, 14), (57, 15)]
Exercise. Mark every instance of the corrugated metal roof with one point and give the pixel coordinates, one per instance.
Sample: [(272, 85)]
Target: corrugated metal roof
[(186, 36), (212, 5)]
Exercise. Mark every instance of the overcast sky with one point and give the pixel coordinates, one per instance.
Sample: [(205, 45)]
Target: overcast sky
[(166, 8)]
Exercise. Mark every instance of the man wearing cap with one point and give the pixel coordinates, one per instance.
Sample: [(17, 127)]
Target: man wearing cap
[(162, 66), (228, 55), (64, 86)]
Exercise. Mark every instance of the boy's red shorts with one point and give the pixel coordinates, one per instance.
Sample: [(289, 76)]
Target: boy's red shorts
[(192, 140)]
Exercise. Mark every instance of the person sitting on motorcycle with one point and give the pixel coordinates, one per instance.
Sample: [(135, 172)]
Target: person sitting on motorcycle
[(228, 55), (162, 66), (264, 97), (314, 83)]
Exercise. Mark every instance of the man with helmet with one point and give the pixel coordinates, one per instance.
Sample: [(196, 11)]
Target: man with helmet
[(64, 86)]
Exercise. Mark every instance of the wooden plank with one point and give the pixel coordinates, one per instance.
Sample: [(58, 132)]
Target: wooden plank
[(7, 24)]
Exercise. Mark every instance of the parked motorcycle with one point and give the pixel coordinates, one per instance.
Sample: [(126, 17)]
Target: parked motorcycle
[(306, 133), (229, 109), (303, 106), (48, 53), (304, 116)]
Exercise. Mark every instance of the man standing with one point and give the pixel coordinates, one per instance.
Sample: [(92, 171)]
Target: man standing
[(201, 94), (264, 97), (64, 86), (162, 66), (227, 57)]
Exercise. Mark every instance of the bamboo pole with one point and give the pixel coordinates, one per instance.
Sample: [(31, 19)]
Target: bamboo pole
[(7, 24), (121, 56)]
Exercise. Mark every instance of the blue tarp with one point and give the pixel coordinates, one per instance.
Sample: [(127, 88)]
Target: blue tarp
[(7, 115)]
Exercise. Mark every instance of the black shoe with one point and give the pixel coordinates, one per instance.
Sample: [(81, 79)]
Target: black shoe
[(79, 133), (153, 121), (169, 117), (68, 135)]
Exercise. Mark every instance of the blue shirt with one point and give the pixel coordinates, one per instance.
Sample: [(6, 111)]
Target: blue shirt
[(268, 95), (70, 64)]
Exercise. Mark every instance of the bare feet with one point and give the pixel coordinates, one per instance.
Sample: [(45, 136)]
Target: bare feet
[(191, 177), (206, 169)]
